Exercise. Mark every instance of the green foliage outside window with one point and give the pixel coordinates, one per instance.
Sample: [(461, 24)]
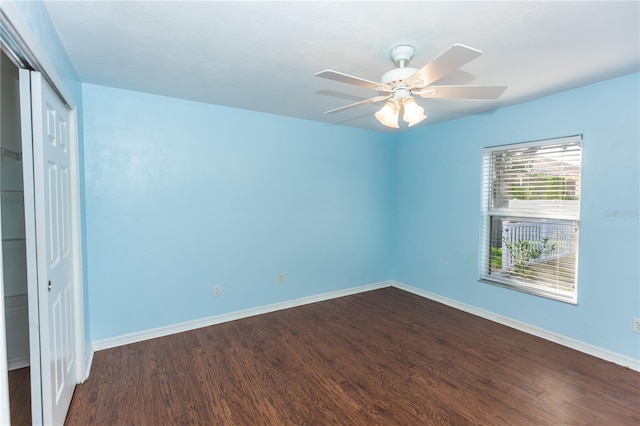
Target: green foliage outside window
[(524, 252), (544, 187), (496, 258)]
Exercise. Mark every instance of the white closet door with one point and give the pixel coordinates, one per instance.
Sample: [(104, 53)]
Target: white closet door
[(51, 189)]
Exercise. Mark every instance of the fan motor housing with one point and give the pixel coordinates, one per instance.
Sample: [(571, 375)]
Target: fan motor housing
[(397, 75)]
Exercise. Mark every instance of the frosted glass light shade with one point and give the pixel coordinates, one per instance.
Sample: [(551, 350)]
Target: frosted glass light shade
[(388, 115), (413, 113)]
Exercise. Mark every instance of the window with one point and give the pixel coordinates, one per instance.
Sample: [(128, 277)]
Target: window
[(531, 217)]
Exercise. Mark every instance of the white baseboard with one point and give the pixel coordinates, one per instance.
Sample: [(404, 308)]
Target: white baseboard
[(596, 351), (19, 362), (126, 339), (88, 360)]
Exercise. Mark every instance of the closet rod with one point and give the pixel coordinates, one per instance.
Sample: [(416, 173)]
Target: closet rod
[(9, 153)]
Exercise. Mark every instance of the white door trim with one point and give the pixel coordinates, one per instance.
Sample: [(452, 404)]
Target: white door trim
[(82, 371), (26, 131)]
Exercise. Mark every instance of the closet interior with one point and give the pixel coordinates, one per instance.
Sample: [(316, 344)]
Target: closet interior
[(13, 233)]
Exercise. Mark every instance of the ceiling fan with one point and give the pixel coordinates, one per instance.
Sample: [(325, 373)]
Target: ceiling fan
[(398, 85)]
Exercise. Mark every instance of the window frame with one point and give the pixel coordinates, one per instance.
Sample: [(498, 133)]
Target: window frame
[(488, 212)]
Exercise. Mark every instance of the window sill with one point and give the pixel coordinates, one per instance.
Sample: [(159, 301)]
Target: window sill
[(524, 288)]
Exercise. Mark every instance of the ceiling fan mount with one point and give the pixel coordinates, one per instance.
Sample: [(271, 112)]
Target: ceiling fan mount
[(399, 84), (401, 55)]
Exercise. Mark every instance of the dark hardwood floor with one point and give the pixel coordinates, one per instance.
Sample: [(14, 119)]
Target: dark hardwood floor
[(20, 396), (385, 357)]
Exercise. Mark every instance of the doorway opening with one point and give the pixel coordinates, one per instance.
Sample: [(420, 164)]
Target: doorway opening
[(14, 245)]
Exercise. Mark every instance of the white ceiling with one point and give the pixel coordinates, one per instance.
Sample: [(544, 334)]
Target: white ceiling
[(262, 56)]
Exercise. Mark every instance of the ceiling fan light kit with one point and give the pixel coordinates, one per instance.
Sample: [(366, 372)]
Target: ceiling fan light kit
[(399, 84), (388, 115), (413, 113)]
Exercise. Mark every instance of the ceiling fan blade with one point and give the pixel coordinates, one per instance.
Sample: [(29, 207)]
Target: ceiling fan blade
[(366, 101), (461, 92), (448, 61), (349, 79)]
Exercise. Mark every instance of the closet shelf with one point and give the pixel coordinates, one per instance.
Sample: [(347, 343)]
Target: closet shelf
[(12, 191), (14, 243), (11, 154)]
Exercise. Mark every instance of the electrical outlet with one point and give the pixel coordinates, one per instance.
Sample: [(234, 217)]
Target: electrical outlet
[(636, 325), (281, 278), (217, 290)]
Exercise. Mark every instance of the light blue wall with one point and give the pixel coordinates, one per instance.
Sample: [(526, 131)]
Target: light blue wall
[(184, 195), (35, 14), (437, 210)]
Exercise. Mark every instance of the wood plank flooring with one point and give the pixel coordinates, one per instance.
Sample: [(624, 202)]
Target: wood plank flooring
[(20, 396), (384, 357)]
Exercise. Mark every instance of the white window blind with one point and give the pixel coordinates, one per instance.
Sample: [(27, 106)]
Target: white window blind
[(531, 216)]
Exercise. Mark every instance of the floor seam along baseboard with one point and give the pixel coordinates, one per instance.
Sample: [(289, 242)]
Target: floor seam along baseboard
[(231, 316), (596, 351)]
